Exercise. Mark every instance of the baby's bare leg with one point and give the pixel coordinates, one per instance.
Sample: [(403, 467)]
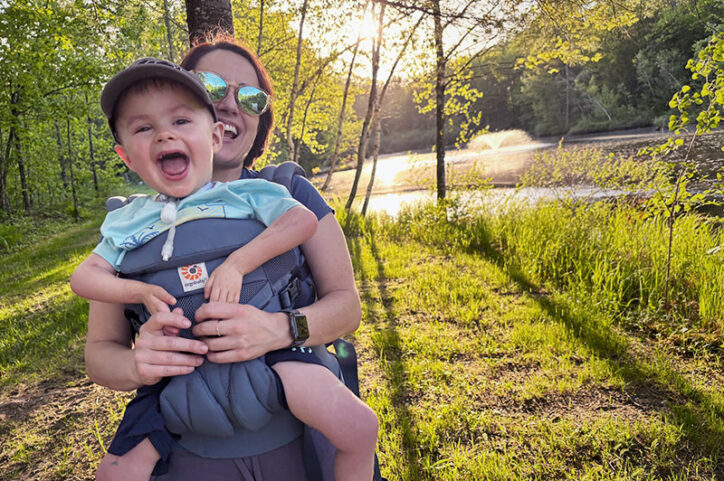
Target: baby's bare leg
[(319, 399), (136, 465)]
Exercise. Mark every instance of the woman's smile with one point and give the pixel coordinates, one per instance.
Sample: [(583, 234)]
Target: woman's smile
[(240, 128)]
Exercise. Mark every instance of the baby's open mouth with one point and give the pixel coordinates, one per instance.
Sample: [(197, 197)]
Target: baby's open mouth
[(173, 164)]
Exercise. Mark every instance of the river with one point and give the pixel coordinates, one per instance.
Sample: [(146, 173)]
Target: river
[(405, 178)]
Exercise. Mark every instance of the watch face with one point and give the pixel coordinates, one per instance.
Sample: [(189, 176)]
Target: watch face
[(302, 327)]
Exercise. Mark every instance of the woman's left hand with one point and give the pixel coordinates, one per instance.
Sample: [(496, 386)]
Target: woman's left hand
[(240, 332)]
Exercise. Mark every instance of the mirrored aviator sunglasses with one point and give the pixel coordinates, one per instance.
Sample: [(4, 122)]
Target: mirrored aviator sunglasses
[(251, 100)]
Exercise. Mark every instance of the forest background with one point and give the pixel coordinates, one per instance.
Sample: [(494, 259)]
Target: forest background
[(547, 67)]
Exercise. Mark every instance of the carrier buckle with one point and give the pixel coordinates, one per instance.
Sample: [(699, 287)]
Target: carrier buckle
[(289, 293), (134, 319)]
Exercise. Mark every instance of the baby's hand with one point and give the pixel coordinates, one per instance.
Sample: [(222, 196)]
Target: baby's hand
[(156, 299), (224, 284)]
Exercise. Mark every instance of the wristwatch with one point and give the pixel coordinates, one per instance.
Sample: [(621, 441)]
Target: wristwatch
[(297, 327)]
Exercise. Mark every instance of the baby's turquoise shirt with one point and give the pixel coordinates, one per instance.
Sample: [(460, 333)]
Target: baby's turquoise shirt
[(140, 221)]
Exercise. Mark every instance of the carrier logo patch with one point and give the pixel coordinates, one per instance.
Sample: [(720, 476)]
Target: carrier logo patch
[(193, 277)]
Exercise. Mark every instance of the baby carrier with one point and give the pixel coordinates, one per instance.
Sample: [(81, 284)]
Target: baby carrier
[(222, 406)]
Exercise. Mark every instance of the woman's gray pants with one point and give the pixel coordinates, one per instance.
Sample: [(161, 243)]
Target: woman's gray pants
[(281, 464)]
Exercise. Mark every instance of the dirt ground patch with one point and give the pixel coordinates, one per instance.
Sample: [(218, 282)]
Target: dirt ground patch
[(49, 429), (582, 406)]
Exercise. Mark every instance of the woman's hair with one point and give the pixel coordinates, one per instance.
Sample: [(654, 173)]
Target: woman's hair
[(266, 120)]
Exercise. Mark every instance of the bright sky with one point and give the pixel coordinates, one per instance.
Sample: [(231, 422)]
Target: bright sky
[(337, 26), (395, 33)]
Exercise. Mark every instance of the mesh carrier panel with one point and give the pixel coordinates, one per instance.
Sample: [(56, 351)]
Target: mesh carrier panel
[(190, 304), (276, 267), (249, 290)]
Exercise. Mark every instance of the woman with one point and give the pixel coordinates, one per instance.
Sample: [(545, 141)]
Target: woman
[(246, 331)]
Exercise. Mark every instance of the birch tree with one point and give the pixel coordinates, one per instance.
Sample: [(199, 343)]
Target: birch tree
[(365, 134), (343, 108), (295, 81), (378, 107)]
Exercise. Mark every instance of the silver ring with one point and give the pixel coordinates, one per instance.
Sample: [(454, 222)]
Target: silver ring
[(218, 332)]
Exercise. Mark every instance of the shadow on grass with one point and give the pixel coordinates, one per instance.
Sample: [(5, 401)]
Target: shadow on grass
[(40, 342), (389, 352), (34, 267), (700, 416)]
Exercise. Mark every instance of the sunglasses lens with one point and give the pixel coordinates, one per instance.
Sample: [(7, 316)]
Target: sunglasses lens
[(215, 85), (252, 100)]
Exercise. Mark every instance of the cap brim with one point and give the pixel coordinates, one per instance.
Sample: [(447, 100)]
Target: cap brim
[(124, 79)]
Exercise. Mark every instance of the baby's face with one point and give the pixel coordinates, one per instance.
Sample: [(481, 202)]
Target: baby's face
[(168, 138)]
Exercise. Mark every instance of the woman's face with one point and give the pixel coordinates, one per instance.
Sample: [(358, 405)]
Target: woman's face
[(240, 128)]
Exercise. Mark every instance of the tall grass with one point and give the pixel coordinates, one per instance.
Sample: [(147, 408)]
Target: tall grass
[(610, 253), (616, 255), (489, 331)]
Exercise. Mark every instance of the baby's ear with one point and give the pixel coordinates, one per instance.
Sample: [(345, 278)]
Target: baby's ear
[(217, 136), (123, 155)]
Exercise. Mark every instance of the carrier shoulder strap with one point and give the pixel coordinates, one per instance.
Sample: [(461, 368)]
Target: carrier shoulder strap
[(282, 174)]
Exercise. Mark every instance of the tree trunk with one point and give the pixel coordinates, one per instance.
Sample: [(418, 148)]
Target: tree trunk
[(261, 28), (439, 101), (4, 165), (295, 84), (72, 177), (396, 62), (378, 119), (375, 155), (598, 104), (670, 228), (90, 146), (61, 158), (92, 156), (568, 96), (32, 195), (21, 171), (365, 135), (340, 120), (169, 37), (207, 18), (304, 120), (21, 166)]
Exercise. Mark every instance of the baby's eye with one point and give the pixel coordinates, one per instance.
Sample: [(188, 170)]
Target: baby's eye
[(141, 128), (182, 121)]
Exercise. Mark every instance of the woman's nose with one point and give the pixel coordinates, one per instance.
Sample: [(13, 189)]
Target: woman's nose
[(228, 103)]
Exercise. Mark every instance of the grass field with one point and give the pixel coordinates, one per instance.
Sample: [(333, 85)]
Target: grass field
[(478, 366)]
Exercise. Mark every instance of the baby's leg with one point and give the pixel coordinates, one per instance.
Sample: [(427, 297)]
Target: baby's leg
[(319, 399), (136, 465)]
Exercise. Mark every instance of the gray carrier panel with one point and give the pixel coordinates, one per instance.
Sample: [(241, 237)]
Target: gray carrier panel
[(219, 409)]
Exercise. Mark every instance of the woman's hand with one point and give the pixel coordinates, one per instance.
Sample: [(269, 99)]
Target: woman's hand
[(157, 355), (240, 332)]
